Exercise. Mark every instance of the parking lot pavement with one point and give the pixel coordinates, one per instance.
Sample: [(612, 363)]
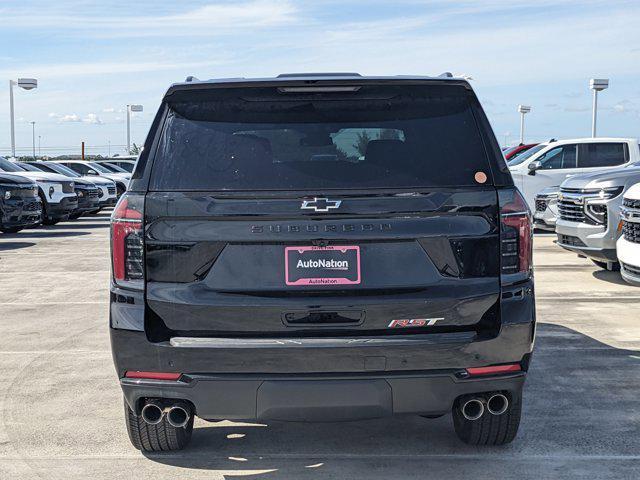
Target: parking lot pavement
[(61, 412)]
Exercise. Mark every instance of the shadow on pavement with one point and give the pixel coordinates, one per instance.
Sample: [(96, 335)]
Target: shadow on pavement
[(79, 224), (580, 401), (14, 245), (611, 277), (44, 233)]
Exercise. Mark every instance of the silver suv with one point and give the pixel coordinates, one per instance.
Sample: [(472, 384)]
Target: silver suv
[(589, 213), (546, 213)]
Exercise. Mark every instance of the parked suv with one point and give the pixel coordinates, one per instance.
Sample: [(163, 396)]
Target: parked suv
[(86, 192), (546, 213), (629, 242), (126, 162), (92, 169), (20, 205), (56, 192), (589, 211), (561, 159), (321, 248), (106, 188)]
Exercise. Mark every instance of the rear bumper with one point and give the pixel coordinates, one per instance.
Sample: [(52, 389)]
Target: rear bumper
[(320, 378), (318, 398)]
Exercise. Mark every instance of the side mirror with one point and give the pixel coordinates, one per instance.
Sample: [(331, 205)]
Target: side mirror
[(91, 172), (533, 166)]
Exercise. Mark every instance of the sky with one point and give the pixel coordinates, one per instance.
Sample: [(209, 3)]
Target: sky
[(93, 58)]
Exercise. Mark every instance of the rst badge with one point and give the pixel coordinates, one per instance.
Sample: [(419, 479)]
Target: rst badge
[(414, 322)]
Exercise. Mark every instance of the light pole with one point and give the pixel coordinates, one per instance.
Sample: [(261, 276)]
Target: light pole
[(597, 85), (39, 151), (523, 109), (27, 84), (131, 108), (33, 139)]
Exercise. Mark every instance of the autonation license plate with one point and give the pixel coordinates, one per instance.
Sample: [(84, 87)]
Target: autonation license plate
[(339, 265)]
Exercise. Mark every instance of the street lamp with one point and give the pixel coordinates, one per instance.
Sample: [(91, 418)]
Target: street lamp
[(131, 108), (523, 109), (33, 139), (27, 84), (597, 85)]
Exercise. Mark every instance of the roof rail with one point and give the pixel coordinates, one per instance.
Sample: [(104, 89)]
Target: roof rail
[(325, 74), (191, 78)]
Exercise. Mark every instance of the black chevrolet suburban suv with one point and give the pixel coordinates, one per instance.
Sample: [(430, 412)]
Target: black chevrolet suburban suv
[(321, 247)]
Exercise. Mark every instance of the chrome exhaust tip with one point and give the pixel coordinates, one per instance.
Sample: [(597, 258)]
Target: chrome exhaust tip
[(497, 404), (152, 413), (472, 409), (178, 416)]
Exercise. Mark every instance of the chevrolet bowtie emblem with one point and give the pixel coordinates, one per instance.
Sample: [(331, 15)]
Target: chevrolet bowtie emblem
[(320, 204)]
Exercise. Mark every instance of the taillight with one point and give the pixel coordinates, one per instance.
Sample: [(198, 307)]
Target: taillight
[(127, 244), (494, 370), (152, 375), (515, 232)]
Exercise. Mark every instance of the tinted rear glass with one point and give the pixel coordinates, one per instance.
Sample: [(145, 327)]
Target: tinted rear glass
[(604, 155), (260, 139)]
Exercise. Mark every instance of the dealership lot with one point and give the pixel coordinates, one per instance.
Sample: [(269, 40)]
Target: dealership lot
[(61, 409)]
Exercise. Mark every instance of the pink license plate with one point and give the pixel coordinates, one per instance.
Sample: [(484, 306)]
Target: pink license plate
[(334, 265)]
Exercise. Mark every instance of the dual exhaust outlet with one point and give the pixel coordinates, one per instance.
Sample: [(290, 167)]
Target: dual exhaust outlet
[(473, 408), (178, 414)]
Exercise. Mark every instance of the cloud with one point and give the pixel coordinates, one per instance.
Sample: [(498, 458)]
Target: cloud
[(206, 20), (108, 110), (65, 70), (92, 119), (68, 118), (576, 109), (625, 106)]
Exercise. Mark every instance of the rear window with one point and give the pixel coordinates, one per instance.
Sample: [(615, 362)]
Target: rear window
[(379, 137), (604, 155)]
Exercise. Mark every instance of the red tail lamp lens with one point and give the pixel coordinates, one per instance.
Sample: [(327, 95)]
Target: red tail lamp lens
[(494, 370), (153, 375)]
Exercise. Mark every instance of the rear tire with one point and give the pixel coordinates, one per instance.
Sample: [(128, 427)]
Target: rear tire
[(489, 429), (615, 266), (156, 438)]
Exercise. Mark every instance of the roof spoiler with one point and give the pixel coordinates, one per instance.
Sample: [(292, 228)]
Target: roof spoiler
[(323, 74)]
